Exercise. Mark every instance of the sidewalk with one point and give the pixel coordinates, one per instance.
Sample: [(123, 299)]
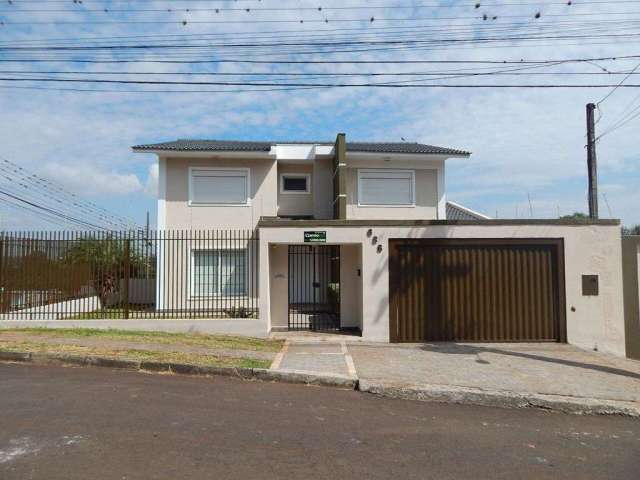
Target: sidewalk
[(554, 376), (316, 358), (551, 376)]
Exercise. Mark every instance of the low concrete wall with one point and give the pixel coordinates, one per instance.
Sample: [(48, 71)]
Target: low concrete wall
[(631, 276), (245, 327), (53, 311)]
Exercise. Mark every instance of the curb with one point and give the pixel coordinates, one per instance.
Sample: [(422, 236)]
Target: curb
[(428, 393), (308, 378), (262, 374), (504, 399)]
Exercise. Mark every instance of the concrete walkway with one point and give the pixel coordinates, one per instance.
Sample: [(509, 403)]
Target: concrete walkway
[(309, 356), (545, 375)]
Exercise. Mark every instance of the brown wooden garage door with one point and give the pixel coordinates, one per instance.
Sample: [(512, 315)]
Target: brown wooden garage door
[(477, 290)]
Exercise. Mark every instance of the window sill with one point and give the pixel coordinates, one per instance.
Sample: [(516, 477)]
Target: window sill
[(385, 206), (192, 204)]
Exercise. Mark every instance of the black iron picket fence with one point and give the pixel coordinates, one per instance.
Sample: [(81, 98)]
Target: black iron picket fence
[(120, 275)]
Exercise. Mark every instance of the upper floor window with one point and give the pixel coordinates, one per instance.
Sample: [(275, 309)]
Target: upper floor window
[(218, 186), (386, 187), (295, 183)]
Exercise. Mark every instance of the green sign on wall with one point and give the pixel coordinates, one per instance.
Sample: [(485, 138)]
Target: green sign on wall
[(315, 237)]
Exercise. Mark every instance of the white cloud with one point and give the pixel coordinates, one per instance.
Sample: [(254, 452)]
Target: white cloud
[(151, 185), (89, 181), (523, 141)]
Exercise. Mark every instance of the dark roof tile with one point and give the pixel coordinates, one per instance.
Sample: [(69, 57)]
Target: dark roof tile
[(458, 212), (186, 145)]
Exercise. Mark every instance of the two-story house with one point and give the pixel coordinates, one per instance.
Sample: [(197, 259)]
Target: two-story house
[(355, 235)]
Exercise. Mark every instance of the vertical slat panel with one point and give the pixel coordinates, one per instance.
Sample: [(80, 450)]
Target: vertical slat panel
[(475, 290)]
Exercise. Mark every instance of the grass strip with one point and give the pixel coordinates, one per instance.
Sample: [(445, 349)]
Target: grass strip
[(227, 342), (139, 355)]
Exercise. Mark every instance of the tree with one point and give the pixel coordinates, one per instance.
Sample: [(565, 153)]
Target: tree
[(635, 230), (575, 216), (107, 260)]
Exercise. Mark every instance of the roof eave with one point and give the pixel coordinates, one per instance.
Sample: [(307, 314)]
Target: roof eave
[(205, 153), (405, 155)]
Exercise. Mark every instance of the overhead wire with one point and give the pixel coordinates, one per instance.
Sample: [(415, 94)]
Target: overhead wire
[(52, 211), (50, 191)]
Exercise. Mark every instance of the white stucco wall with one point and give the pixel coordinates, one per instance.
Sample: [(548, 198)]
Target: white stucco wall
[(350, 286), (174, 211), (597, 322), (279, 266), (426, 207), (180, 215), (295, 203), (323, 188), (429, 186)]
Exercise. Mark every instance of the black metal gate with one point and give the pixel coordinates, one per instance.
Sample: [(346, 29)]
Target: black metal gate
[(314, 287)]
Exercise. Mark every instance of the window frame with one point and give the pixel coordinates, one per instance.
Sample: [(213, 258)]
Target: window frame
[(306, 176), (245, 171), (192, 286), (363, 171)]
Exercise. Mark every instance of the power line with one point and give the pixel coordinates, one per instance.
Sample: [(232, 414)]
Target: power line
[(50, 191), (56, 193), (368, 30), (184, 22), (52, 211), (303, 74), (430, 5), (252, 10), (337, 62), (621, 123), (36, 213), (484, 4), (420, 46), (332, 85), (104, 90), (298, 44), (616, 87)]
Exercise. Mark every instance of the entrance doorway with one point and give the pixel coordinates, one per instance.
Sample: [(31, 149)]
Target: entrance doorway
[(314, 287)]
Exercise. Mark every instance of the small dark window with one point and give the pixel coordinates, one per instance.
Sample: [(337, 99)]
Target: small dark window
[(294, 184), (590, 285)]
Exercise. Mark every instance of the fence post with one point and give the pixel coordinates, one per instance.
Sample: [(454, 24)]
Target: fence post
[(127, 274), (2, 286)]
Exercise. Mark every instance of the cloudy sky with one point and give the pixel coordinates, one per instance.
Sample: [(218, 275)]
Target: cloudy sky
[(526, 143)]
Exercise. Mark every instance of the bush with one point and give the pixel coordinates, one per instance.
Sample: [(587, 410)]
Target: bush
[(238, 312)]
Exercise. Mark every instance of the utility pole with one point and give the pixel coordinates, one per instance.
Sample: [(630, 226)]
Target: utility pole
[(592, 162)]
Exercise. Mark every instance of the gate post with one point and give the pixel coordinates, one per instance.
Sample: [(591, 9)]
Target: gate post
[(2, 286)]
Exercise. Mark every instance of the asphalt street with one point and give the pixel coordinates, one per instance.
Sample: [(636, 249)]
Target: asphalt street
[(96, 423)]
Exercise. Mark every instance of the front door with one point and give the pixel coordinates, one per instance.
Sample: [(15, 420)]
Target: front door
[(314, 287)]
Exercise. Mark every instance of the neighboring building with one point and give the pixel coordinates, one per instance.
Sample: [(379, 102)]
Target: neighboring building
[(455, 211), (354, 235)]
